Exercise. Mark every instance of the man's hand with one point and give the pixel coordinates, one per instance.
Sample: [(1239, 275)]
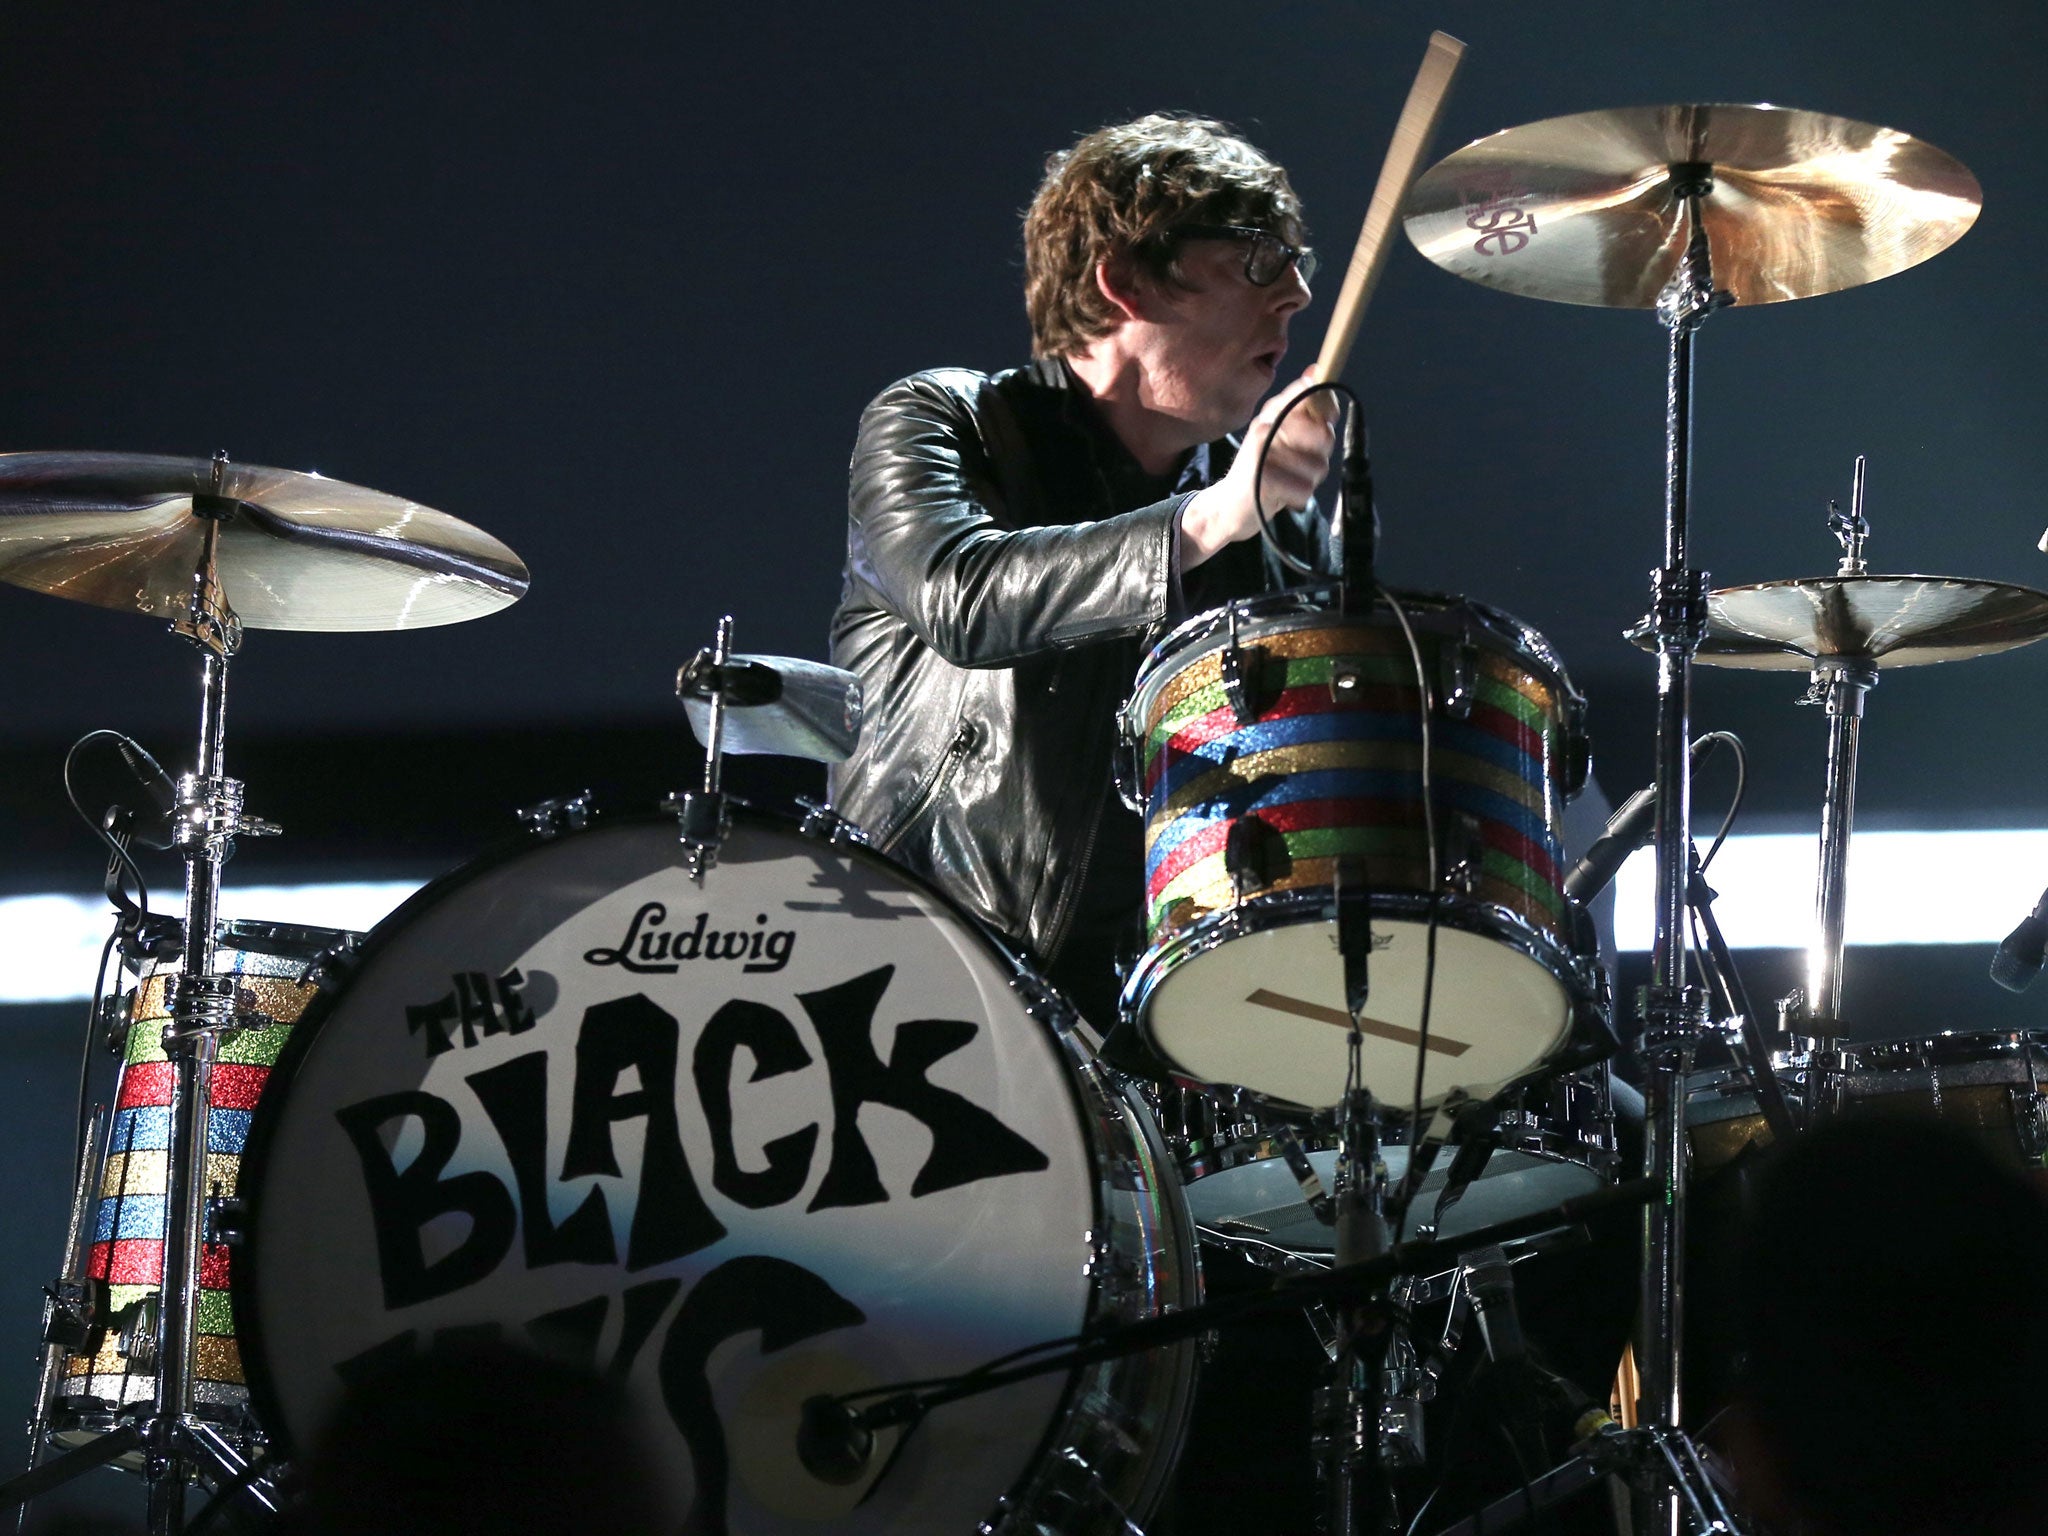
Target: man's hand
[(1295, 466)]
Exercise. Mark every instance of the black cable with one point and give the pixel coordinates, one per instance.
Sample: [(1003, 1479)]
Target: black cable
[(1290, 562), (1741, 790), (92, 1028), (99, 829), (1435, 899)]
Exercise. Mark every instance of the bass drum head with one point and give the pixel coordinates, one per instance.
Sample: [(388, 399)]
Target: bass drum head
[(788, 1133)]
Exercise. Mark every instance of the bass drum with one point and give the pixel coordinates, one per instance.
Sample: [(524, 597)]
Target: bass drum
[(799, 1130)]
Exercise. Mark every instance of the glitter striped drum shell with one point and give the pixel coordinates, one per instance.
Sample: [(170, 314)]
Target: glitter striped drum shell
[(1274, 749), (116, 1373)]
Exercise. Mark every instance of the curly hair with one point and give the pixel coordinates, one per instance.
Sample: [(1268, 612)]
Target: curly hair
[(1119, 192)]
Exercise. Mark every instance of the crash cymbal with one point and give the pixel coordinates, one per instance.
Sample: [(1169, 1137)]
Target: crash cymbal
[(296, 551), (1897, 621), (1582, 209)]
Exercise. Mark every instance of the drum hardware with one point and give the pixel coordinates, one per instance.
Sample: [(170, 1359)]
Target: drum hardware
[(756, 704), (558, 814), (1843, 629), (828, 826), (215, 548), (1683, 210)]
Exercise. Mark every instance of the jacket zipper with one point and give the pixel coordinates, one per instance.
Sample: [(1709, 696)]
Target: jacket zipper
[(956, 750)]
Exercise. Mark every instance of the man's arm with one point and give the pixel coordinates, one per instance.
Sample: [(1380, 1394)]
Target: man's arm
[(929, 533)]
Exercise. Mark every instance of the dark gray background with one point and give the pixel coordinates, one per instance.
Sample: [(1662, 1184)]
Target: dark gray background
[(613, 283)]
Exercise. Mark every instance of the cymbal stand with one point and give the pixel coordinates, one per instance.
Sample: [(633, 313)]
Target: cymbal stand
[(1673, 1010), (207, 819), (1347, 1418), (1840, 684)]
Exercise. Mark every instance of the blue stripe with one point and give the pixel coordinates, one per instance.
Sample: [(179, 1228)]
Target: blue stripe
[(227, 1129), (141, 1216), (147, 1129), (1360, 784)]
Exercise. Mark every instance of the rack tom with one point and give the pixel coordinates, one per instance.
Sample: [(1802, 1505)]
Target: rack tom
[(1275, 750)]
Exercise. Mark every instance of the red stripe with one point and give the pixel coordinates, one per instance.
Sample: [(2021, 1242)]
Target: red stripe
[(144, 1084), (237, 1086), (1318, 815), (1502, 726), (1506, 839), (213, 1266), (136, 1261), (1299, 816)]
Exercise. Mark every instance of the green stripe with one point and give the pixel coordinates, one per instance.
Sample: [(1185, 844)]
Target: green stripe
[(254, 1047), (216, 1313)]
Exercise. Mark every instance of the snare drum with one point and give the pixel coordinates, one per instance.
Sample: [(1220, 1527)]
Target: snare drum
[(799, 1130), (1557, 1143), (1276, 748), (272, 964)]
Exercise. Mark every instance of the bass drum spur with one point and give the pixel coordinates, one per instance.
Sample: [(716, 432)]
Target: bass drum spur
[(796, 1131), (1274, 748)]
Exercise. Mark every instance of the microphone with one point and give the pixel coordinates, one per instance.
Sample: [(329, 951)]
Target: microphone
[(1628, 829), (1361, 518), (2020, 956), (1490, 1282), (114, 772)]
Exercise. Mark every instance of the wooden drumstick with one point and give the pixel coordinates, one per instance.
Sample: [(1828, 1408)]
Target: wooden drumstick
[(1417, 126)]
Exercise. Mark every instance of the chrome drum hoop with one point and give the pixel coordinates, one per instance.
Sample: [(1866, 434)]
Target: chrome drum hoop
[(1580, 974)]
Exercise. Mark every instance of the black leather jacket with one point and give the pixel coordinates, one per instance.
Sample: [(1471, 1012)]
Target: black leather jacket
[(1003, 565)]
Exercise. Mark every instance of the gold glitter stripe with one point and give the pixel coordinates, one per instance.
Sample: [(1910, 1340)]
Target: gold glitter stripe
[(135, 1173), (281, 998), (1365, 645)]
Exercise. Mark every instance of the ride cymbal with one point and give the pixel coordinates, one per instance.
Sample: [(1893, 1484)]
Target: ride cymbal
[(295, 551), (1897, 621), (1585, 209)]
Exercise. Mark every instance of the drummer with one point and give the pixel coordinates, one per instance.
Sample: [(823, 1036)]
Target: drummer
[(1014, 537)]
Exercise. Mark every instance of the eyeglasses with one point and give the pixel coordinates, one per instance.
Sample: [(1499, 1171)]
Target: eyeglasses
[(1266, 255)]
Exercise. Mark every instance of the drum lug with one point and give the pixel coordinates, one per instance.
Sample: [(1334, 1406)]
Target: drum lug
[(1464, 852), (137, 1332), (559, 814), (73, 1312), (1238, 666), (1458, 672), (226, 1221), (828, 826), (2030, 1123), (1254, 854)]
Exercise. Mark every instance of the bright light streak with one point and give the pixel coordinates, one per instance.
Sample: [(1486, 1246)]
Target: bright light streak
[(1904, 888), (50, 945)]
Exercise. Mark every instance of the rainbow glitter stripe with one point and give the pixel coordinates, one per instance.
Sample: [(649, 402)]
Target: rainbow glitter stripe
[(1334, 773), (128, 1240)]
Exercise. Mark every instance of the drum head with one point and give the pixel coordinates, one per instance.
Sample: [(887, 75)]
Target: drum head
[(1266, 1010), (785, 1134)]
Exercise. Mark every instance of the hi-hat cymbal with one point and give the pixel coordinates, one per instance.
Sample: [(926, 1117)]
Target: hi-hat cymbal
[(296, 551), (1582, 209), (1896, 621)]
